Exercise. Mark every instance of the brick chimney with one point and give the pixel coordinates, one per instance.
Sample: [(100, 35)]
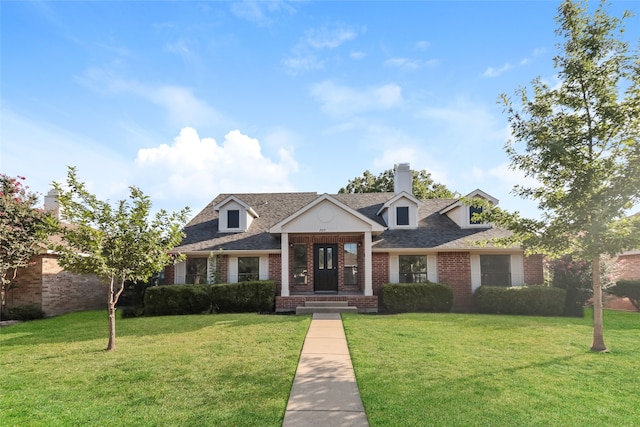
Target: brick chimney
[(403, 179)]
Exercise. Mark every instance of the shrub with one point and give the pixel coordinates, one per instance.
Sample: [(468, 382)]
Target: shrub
[(416, 297), (527, 300), (629, 289), (250, 296), (177, 299), (23, 313)]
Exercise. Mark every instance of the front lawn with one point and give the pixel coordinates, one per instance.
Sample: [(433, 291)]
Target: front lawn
[(483, 370), (170, 371)]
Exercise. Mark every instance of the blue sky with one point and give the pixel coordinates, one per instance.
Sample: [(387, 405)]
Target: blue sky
[(190, 99)]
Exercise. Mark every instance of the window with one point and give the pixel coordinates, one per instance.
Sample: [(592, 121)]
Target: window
[(196, 271), (350, 264), (233, 218), (300, 264), (248, 268), (413, 268), (495, 270), (402, 215), (472, 210)]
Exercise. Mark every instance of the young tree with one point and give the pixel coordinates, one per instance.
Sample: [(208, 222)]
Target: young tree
[(23, 230), (121, 243), (580, 140), (424, 186)]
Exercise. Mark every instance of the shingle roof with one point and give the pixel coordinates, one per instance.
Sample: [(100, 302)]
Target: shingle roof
[(435, 231)]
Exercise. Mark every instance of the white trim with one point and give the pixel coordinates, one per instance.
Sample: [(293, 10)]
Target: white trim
[(517, 270), (180, 272), (476, 272), (432, 268), (394, 268), (263, 268), (284, 263), (233, 269), (368, 265)]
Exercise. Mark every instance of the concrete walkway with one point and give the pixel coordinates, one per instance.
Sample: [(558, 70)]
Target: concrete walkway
[(324, 391)]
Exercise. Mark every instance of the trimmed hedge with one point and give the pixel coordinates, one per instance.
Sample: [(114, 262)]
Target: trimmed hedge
[(23, 313), (416, 297), (627, 289), (177, 299), (251, 296), (526, 300)]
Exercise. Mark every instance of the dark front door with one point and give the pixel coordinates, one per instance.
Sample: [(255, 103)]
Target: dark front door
[(325, 264)]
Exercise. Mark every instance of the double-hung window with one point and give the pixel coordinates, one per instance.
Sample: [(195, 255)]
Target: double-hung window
[(248, 268), (413, 268)]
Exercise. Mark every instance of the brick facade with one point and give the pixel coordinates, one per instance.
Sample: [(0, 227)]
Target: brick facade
[(311, 240), (533, 270), (454, 269), (380, 265), (55, 291), (365, 304)]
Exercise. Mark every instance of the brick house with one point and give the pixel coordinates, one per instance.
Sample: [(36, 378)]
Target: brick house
[(344, 247), (46, 285)]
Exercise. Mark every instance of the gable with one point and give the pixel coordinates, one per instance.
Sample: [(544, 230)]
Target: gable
[(326, 214), (401, 212)]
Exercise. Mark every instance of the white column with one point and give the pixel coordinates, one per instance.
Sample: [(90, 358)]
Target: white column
[(284, 262), (368, 265)]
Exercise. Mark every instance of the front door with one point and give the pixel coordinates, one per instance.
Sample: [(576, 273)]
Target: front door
[(325, 264)]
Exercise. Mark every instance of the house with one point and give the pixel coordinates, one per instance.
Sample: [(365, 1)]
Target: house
[(344, 247), (46, 285)]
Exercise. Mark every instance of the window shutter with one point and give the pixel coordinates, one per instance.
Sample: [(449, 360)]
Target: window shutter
[(180, 272)]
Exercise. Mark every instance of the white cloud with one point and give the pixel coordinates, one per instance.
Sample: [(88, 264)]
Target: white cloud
[(304, 53), (357, 55), (328, 38), (491, 72), (259, 11), (422, 45), (339, 100), (183, 108), (403, 63), (496, 72), (195, 169)]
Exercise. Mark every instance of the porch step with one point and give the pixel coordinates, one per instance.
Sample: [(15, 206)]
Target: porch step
[(311, 307)]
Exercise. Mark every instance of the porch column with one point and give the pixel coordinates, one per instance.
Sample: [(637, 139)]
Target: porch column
[(368, 265), (284, 262)]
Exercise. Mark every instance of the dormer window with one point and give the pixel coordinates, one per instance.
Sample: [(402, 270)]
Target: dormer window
[(233, 218), (235, 215), (402, 215), (474, 210)]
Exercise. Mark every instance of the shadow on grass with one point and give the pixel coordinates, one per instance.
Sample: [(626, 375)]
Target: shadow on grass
[(93, 325)]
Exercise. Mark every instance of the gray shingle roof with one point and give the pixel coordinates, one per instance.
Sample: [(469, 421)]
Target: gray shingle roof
[(435, 231)]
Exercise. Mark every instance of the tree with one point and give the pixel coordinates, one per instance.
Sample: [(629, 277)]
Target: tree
[(423, 185), (580, 141), (119, 244), (23, 230)]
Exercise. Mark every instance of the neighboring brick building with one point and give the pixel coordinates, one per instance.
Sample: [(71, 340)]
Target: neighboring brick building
[(46, 285), (346, 246), (629, 265)]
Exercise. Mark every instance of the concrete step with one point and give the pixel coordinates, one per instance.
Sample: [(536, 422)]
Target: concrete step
[(326, 304), (311, 310)]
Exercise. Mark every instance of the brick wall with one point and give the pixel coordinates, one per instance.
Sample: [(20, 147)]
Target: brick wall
[(629, 267), (454, 269), (365, 304), (275, 271), (533, 270), (380, 265), (56, 291), (169, 275)]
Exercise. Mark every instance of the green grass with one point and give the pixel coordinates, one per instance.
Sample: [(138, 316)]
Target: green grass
[(167, 371), (482, 370)]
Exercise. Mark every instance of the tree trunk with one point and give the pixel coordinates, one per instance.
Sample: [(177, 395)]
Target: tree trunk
[(111, 307), (598, 337)]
